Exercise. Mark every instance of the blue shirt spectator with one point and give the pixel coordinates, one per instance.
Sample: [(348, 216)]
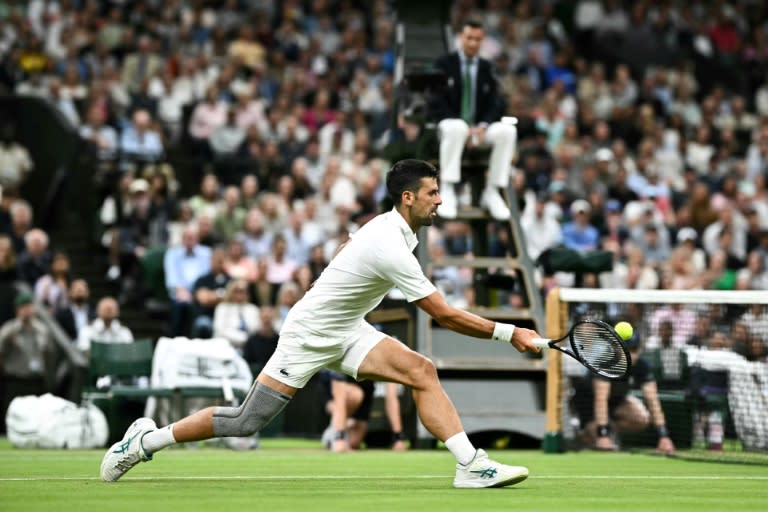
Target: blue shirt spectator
[(183, 265), (139, 141), (579, 234)]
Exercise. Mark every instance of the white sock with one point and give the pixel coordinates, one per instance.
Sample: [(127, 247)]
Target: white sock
[(461, 448), (156, 440)]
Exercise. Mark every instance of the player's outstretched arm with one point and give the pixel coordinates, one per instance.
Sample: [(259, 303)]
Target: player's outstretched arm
[(471, 324)]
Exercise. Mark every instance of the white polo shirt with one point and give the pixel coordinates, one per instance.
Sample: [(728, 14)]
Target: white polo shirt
[(379, 256)]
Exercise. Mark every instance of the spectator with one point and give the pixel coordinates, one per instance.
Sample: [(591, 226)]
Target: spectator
[(680, 273), (579, 234), (249, 190), (299, 237), (15, 161), (52, 290), (73, 319), (320, 113), (655, 250), (183, 265), (162, 201), (207, 116), (8, 275), (231, 216), (317, 261), (470, 112), (247, 50), (687, 238), (102, 136), (235, 319), (634, 272), (21, 223), (262, 343), (207, 201), (208, 291), (35, 261), (78, 313), (718, 276), (140, 66), (139, 141), (170, 96), (335, 138), (62, 103), (753, 276), (734, 226), (238, 264), (227, 140), (207, 233), (131, 239), (684, 319), (26, 353), (288, 294), (105, 328), (249, 110), (256, 240), (279, 267), (542, 230)]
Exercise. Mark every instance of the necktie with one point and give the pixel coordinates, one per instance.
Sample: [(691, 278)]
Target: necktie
[(466, 93)]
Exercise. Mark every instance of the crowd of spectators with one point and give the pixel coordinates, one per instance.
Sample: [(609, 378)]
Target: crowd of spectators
[(643, 131)]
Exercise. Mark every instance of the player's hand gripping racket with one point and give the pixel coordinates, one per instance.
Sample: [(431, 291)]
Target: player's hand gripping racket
[(597, 346)]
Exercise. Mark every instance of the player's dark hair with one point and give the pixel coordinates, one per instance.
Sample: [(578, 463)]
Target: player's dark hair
[(471, 23), (407, 175)]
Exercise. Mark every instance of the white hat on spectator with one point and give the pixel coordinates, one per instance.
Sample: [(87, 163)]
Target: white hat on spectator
[(686, 234), (603, 155), (581, 206), (139, 185)]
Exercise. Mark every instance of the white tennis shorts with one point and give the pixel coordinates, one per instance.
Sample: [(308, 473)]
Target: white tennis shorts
[(297, 359)]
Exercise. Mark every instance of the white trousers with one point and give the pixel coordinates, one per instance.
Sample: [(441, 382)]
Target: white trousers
[(453, 134)]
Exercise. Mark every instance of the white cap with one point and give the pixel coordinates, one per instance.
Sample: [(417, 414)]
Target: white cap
[(685, 234), (139, 185), (603, 155), (580, 205)]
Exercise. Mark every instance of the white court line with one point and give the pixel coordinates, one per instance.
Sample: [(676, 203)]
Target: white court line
[(385, 477)]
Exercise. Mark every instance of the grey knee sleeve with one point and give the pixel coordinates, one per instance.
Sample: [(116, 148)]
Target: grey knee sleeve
[(260, 406)]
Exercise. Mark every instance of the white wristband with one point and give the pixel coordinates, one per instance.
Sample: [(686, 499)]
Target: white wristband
[(503, 332)]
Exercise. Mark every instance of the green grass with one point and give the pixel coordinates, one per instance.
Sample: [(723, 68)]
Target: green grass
[(289, 475)]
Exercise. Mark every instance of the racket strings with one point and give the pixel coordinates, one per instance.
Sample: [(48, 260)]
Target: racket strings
[(599, 348)]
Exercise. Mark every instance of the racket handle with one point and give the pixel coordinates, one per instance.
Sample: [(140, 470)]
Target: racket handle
[(541, 342)]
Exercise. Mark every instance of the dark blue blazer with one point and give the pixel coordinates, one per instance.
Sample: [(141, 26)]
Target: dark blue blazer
[(489, 105)]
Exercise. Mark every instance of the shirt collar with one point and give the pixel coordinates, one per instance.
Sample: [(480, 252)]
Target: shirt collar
[(466, 60), (411, 239), (99, 325)]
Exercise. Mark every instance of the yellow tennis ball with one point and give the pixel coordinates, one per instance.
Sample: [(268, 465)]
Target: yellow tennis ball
[(624, 329)]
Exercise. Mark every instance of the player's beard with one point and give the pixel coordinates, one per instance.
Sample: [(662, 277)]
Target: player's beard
[(426, 220)]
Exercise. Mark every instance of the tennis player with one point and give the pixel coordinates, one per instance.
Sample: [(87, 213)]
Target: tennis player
[(326, 328)]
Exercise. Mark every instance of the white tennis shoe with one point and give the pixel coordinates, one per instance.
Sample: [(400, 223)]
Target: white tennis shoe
[(125, 454), (484, 472)]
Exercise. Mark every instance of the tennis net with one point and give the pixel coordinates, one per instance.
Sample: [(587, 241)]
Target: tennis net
[(702, 353)]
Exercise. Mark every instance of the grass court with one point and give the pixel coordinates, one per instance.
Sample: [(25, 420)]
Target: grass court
[(299, 476)]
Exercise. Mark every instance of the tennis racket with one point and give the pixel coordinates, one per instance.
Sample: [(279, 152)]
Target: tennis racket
[(596, 345)]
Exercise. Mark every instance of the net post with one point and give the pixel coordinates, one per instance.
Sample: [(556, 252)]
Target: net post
[(556, 320)]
